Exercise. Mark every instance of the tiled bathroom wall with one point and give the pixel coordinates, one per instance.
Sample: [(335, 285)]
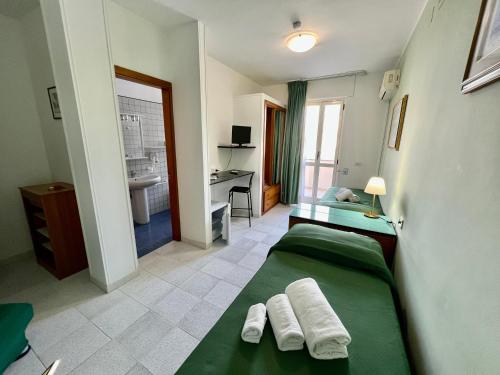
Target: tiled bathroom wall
[(154, 159)]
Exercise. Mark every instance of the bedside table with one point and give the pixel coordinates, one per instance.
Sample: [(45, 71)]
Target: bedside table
[(348, 221)]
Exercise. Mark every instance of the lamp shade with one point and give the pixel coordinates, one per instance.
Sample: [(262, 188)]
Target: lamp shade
[(375, 185)]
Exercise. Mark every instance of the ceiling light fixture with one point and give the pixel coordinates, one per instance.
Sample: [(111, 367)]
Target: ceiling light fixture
[(301, 41)]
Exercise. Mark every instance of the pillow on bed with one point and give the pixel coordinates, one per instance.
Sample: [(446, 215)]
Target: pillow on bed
[(345, 248)]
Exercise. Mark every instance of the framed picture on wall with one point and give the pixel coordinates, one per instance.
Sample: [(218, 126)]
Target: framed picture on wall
[(397, 121), (54, 103), (483, 66)]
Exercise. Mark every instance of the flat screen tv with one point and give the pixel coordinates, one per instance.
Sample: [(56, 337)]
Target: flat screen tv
[(241, 135)]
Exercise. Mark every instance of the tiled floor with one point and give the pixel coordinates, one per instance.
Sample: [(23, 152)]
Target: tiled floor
[(151, 324), (156, 233)]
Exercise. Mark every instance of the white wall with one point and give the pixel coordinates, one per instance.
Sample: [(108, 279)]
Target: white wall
[(175, 55), (249, 111), (223, 85), (90, 119), (364, 121), (444, 180), (23, 158), (137, 91), (42, 77)]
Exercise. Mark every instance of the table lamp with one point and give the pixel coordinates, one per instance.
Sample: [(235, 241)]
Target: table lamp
[(375, 186)]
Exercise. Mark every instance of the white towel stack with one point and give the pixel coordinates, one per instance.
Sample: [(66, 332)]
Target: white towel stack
[(344, 194), (254, 324), (286, 328), (325, 335)]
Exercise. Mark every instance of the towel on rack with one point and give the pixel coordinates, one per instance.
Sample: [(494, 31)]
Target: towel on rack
[(285, 325), (326, 337), (254, 324)]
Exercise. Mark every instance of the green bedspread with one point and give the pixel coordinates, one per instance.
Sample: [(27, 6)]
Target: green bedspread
[(351, 273), (364, 204)]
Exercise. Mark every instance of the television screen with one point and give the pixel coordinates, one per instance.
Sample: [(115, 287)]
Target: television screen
[(241, 135)]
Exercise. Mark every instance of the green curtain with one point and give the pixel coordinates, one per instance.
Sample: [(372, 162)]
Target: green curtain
[(293, 140), (277, 147)]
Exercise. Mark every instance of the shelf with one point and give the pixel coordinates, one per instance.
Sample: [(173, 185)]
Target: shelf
[(40, 215), (43, 231), (216, 206), (139, 158), (47, 245), (154, 147), (234, 146)]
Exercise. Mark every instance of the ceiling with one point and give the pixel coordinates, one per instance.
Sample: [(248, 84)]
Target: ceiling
[(249, 36)]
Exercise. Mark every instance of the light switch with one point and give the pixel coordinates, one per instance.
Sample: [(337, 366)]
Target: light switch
[(401, 222)]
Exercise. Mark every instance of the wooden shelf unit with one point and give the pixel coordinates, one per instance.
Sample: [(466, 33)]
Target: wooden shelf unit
[(55, 227)]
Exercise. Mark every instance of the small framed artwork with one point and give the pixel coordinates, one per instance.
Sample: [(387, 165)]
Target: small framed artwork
[(397, 121), (483, 66), (54, 103)]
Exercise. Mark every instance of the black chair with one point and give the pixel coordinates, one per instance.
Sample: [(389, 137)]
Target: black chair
[(243, 190)]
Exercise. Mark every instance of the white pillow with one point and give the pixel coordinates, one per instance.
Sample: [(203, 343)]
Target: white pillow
[(343, 194)]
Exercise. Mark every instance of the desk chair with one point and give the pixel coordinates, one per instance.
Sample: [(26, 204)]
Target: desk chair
[(243, 190)]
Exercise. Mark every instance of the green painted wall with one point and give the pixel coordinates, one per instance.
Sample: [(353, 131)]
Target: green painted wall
[(445, 181)]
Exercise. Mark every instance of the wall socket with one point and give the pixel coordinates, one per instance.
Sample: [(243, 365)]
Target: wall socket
[(401, 222)]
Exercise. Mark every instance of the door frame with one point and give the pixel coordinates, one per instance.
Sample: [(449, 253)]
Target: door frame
[(319, 137), (168, 126)]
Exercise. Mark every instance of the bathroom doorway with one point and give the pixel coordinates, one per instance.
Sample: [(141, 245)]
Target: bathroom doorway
[(146, 116)]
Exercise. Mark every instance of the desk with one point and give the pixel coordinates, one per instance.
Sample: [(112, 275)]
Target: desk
[(227, 176), (349, 221)]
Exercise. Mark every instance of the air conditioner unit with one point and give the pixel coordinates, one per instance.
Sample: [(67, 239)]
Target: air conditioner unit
[(389, 84)]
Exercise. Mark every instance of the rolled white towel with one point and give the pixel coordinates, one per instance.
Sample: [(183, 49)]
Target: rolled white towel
[(326, 336), (354, 198), (286, 328), (343, 194), (254, 324)]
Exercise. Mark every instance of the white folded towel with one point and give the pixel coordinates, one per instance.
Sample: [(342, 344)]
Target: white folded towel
[(354, 198), (254, 324), (326, 336), (343, 194), (286, 328)]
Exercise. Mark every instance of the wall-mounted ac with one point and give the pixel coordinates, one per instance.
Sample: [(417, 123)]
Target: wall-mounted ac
[(389, 84)]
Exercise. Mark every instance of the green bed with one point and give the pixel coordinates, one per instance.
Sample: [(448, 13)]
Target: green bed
[(365, 203), (351, 272)]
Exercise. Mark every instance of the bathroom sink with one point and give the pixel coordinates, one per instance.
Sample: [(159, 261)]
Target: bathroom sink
[(142, 182)]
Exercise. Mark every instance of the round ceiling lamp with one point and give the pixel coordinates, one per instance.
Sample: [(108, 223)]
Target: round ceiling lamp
[(301, 41)]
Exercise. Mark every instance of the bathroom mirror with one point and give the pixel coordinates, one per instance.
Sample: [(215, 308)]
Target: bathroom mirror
[(133, 141)]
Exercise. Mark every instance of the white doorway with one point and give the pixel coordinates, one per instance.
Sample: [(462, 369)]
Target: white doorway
[(321, 148)]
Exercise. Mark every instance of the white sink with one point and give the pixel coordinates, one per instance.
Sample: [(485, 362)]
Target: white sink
[(142, 182), (139, 196)]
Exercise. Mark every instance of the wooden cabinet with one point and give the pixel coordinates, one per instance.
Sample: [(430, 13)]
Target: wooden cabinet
[(271, 196), (55, 227), (274, 130)]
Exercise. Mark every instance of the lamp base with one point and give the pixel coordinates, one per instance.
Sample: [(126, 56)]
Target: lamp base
[(372, 215)]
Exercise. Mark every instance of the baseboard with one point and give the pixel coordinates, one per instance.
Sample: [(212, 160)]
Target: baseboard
[(199, 244), (17, 257), (109, 288)]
